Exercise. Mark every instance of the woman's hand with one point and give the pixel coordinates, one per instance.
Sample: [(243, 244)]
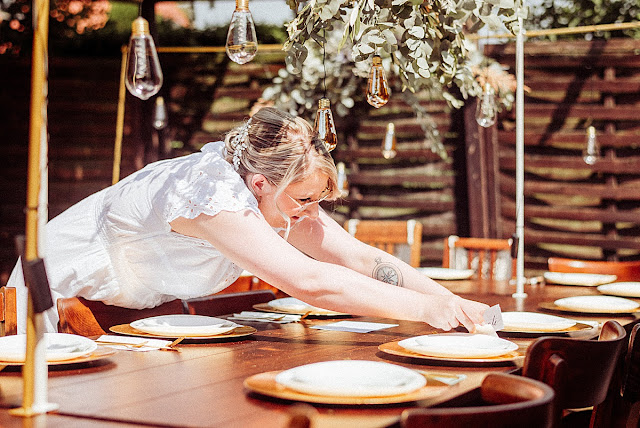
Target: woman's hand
[(449, 311)]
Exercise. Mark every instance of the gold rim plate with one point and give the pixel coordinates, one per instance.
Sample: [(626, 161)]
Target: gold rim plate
[(264, 307), (127, 330), (265, 384), (394, 348), (577, 327), (98, 354), (551, 306)]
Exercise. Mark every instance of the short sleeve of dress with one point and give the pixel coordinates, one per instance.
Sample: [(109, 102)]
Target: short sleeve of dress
[(206, 184)]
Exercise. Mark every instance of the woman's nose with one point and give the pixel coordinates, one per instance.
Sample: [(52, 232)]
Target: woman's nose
[(312, 211)]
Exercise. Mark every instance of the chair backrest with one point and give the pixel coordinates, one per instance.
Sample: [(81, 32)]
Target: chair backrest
[(504, 400), (403, 239), (630, 387), (625, 271), (490, 258), (8, 311), (579, 370), (93, 318), (228, 303), (621, 408)]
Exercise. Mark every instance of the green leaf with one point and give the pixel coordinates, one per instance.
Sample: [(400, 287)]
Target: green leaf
[(417, 32)]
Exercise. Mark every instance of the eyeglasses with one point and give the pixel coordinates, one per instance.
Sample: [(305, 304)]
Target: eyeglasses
[(304, 205)]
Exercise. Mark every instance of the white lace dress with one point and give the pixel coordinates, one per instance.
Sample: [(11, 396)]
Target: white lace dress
[(117, 246)]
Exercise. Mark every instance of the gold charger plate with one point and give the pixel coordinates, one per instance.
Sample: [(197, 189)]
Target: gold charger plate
[(98, 354), (394, 348), (551, 306), (265, 383), (264, 307), (126, 329), (577, 327)]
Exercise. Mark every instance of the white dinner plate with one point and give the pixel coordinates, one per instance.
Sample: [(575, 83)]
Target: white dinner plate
[(534, 322), (584, 279), (459, 345), (60, 347), (295, 305), (446, 273), (624, 289), (352, 378), (184, 325), (599, 304)]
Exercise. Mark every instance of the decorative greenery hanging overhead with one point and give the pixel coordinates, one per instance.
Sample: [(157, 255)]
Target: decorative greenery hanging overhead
[(422, 42), (424, 39)]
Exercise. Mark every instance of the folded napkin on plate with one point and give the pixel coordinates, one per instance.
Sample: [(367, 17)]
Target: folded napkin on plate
[(265, 317), (486, 329), (132, 343)]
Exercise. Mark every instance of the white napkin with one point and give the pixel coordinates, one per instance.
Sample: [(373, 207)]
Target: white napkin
[(265, 317), (114, 341), (354, 326), (486, 329)]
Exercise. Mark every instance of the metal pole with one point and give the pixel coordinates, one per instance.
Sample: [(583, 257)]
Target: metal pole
[(35, 370), (520, 160)]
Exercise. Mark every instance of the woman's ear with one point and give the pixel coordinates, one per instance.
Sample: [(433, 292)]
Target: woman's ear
[(260, 185)]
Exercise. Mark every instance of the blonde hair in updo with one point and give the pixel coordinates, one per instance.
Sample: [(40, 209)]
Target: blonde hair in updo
[(283, 148)]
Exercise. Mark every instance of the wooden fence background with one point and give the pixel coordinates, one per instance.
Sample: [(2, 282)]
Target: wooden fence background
[(571, 208)]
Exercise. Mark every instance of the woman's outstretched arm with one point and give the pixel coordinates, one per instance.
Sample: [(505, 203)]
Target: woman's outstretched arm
[(251, 243)]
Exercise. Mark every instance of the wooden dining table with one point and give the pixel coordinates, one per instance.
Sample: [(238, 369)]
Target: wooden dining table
[(203, 384)]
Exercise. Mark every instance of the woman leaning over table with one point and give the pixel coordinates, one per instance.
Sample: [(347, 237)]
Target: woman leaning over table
[(187, 227)]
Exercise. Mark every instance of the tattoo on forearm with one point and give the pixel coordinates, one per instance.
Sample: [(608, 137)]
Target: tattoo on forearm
[(387, 272)]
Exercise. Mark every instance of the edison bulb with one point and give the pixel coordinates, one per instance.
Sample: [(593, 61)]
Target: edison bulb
[(377, 85), (242, 43), (160, 114), (389, 142), (486, 109), (143, 72), (343, 183), (591, 152), (324, 124)]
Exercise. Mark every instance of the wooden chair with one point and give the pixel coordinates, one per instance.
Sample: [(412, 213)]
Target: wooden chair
[(625, 271), (621, 408), (403, 239), (490, 258), (228, 303), (8, 311), (578, 370), (503, 400), (92, 318)]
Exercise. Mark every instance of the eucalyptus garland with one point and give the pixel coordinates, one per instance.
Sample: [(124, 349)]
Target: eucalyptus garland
[(331, 44)]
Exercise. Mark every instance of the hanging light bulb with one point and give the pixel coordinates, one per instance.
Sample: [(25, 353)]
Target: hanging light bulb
[(324, 124), (591, 153), (144, 75), (389, 142), (377, 85), (160, 114), (241, 39), (486, 108), (343, 183)]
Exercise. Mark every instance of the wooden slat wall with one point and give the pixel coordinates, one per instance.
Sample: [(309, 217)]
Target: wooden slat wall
[(415, 184), (573, 209)]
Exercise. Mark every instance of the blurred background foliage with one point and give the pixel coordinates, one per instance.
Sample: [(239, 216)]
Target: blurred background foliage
[(101, 27), (572, 13)]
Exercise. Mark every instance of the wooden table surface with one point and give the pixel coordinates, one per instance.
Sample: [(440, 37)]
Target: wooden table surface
[(202, 386)]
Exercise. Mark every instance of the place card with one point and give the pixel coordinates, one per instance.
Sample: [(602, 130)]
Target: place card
[(493, 316), (355, 326)]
